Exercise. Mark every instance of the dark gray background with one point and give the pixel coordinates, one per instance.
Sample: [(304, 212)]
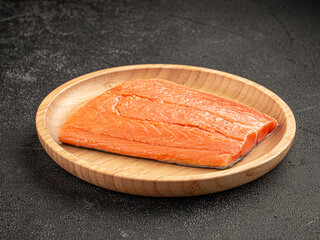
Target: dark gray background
[(45, 44)]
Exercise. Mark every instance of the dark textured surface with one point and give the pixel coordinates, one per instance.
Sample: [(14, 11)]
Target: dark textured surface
[(45, 44)]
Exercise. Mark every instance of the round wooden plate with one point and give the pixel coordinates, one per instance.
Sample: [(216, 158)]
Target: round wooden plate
[(152, 178)]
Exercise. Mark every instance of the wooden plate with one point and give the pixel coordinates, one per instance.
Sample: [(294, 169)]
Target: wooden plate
[(152, 178)]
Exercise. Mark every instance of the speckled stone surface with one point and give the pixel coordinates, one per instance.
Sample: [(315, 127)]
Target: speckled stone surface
[(47, 43)]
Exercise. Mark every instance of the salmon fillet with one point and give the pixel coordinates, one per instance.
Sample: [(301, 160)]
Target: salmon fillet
[(157, 119)]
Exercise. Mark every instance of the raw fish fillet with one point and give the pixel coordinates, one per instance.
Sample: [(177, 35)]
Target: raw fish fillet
[(157, 119)]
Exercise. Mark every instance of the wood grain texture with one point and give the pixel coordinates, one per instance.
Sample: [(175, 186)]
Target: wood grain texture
[(152, 178)]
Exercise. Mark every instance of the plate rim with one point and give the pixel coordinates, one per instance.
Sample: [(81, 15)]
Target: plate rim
[(56, 150)]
